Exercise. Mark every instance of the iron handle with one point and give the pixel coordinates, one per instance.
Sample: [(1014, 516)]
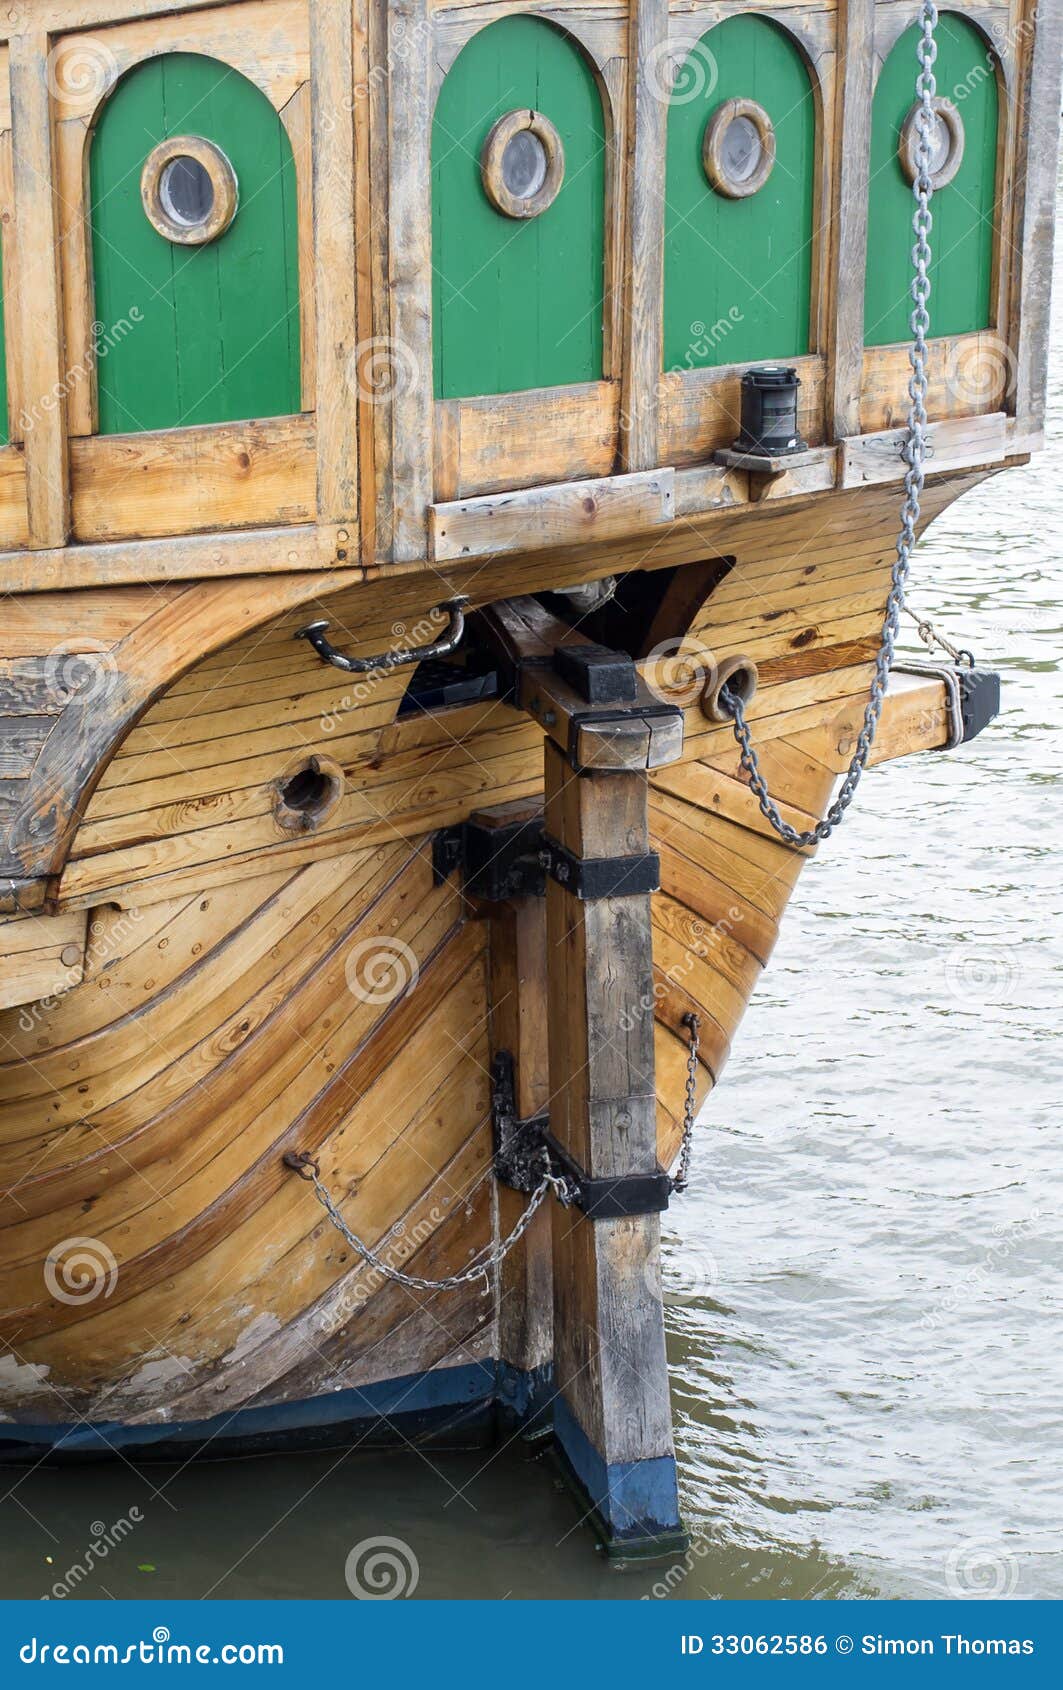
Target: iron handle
[(447, 643)]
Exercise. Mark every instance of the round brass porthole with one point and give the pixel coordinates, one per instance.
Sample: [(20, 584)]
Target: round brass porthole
[(189, 190), (738, 151), (522, 164), (946, 143)]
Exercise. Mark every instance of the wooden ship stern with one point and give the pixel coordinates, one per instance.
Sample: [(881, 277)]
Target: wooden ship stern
[(419, 421)]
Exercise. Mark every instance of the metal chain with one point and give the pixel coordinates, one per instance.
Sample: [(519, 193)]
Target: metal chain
[(308, 1169), (914, 454), (690, 1109)]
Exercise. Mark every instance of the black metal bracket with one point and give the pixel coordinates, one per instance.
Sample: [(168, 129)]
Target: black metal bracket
[(979, 699), (609, 1199), (496, 863), (599, 674), (588, 878), (520, 1152), (525, 1149)]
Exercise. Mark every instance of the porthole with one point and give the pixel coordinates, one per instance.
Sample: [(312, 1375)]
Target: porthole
[(307, 793), (189, 190), (738, 151), (522, 164), (946, 143)]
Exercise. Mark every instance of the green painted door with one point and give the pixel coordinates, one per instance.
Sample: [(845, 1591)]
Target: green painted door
[(961, 272), (517, 304), (217, 339), (738, 272)]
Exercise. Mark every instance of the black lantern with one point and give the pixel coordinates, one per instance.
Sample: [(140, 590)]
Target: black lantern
[(769, 412)]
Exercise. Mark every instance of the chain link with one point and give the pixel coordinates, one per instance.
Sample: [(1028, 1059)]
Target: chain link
[(681, 1177), (914, 454), (481, 1269)]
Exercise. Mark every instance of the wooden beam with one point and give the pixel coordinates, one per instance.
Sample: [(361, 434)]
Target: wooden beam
[(612, 1417), (518, 1025), (1034, 226), (647, 130), (410, 273), (854, 83), (335, 284), (40, 327)]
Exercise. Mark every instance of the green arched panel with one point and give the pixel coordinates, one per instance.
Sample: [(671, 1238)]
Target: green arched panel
[(738, 272), (517, 305), (218, 334), (961, 272)]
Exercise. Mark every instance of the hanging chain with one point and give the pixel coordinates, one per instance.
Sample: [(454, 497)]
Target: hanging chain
[(482, 1268), (914, 454), (690, 1109)]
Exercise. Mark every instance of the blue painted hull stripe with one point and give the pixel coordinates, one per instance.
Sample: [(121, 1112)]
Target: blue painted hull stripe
[(444, 1388)]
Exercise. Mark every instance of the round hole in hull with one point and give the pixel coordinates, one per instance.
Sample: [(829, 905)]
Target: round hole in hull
[(307, 792)]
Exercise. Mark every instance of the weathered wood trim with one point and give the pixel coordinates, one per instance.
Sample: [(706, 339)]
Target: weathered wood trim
[(410, 273), (1035, 209), (40, 329), (848, 217), (539, 517), (963, 443), (332, 122), (643, 297), (180, 481)]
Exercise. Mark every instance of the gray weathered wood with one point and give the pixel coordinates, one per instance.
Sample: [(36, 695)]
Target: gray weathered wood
[(647, 128), (1035, 212), (851, 154)]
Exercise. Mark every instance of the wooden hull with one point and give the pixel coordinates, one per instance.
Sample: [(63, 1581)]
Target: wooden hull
[(213, 989)]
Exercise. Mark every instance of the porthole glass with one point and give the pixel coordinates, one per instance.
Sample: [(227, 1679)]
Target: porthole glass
[(186, 191), (946, 143), (738, 150), (189, 190), (522, 164)]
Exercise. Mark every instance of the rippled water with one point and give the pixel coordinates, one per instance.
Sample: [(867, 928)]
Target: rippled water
[(864, 1301)]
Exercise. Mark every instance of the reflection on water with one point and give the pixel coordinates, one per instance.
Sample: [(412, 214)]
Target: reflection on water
[(864, 1296)]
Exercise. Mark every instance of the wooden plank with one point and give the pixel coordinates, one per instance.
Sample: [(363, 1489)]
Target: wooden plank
[(1035, 210), (958, 444), (566, 514), (646, 145), (41, 956), (612, 1418), (335, 285), (180, 481), (519, 1026), (701, 410), (410, 273), (968, 375), (511, 440), (849, 191), (42, 359)]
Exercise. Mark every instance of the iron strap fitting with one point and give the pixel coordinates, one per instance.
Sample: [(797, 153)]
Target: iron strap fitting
[(972, 696), (608, 1198), (588, 878)]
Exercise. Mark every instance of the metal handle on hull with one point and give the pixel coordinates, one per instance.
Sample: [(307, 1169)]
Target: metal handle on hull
[(443, 647)]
